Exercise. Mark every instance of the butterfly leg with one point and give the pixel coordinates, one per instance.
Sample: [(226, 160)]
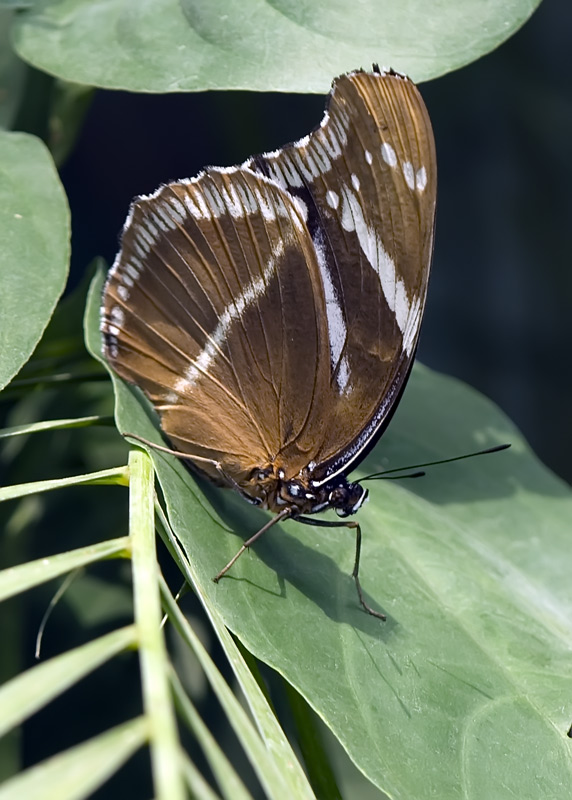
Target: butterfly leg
[(352, 525), (249, 542), (226, 480), (355, 572)]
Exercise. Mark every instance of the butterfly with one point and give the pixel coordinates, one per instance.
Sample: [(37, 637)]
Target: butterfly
[(271, 311)]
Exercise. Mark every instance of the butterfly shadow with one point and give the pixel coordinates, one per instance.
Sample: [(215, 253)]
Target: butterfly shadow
[(309, 571), (325, 582)]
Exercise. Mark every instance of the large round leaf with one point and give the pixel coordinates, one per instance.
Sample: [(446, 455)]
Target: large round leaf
[(34, 258), (267, 45), (466, 690)]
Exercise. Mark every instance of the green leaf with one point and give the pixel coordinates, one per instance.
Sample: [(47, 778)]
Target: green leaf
[(33, 573), (197, 785), (310, 742), (466, 690), (157, 699), (277, 769), (258, 702), (33, 689), (259, 705), (232, 788), (77, 772), (116, 475), (284, 45), (51, 425), (35, 232)]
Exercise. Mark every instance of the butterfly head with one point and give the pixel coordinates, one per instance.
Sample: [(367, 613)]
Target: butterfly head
[(302, 495), (346, 498)]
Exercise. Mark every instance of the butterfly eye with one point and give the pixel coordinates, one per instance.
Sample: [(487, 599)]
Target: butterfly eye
[(348, 499), (338, 499)]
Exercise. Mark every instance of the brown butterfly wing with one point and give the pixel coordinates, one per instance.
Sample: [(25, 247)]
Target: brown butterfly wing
[(368, 178), (273, 319), (214, 308)]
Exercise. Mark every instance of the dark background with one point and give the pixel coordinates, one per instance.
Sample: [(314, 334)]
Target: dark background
[(500, 297)]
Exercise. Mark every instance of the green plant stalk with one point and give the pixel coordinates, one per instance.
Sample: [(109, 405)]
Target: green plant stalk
[(157, 700), (198, 787), (280, 777), (252, 665), (14, 580), (55, 424), (115, 475), (61, 377), (224, 773), (75, 773), (275, 741), (37, 686), (316, 759)]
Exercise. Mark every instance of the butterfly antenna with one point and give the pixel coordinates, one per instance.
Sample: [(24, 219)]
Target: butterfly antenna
[(386, 474), (389, 477)]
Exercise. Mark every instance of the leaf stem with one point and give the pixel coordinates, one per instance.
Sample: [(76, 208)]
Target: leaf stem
[(166, 756), (115, 475)]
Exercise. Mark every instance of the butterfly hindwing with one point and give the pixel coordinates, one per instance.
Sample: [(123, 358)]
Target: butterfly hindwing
[(367, 175)]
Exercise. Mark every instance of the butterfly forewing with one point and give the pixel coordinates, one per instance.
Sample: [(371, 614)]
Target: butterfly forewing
[(214, 308), (271, 312), (368, 178)]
